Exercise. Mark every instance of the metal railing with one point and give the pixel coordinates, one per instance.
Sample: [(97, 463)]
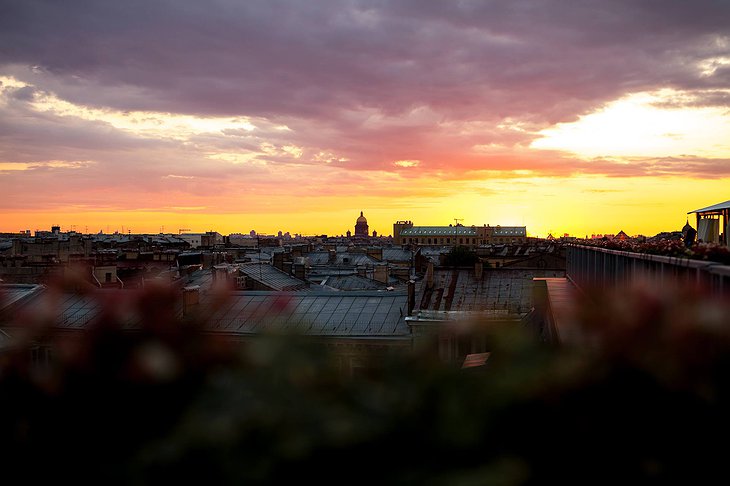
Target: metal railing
[(600, 268)]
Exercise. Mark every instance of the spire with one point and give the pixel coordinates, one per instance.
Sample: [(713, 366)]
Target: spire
[(361, 213)]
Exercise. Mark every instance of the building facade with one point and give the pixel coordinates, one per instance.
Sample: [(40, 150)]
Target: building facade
[(470, 236)]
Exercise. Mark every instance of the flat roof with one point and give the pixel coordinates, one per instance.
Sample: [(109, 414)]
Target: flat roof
[(715, 207)]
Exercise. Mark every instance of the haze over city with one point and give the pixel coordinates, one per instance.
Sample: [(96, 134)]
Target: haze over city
[(295, 116)]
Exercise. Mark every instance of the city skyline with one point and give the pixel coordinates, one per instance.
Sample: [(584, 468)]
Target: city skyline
[(296, 117)]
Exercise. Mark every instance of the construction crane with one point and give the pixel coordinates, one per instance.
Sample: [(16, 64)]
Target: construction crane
[(182, 229)]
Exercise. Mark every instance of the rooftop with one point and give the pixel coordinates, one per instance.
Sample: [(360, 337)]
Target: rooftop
[(439, 231), (497, 289), (341, 258), (350, 314), (352, 282), (16, 294), (271, 276), (510, 231), (714, 207)]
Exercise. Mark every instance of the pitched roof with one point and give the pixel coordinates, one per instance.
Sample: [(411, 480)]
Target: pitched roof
[(356, 314), (510, 231), (12, 295), (271, 276), (353, 282), (350, 314)]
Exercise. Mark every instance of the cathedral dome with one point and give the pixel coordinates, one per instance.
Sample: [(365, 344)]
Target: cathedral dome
[(361, 227)]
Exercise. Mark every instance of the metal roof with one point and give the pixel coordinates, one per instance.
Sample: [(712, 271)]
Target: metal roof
[(510, 231), (353, 282), (509, 289), (357, 314), (15, 294), (76, 311), (439, 231), (342, 258), (397, 255), (271, 276), (716, 207), (343, 314)]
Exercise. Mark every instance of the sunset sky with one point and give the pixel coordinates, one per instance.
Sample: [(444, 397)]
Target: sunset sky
[(578, 117)]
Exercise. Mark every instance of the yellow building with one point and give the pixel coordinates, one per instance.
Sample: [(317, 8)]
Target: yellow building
[(404, 233)]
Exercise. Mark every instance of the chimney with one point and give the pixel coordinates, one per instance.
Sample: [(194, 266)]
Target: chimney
[(411, 296), (279, 260), (191, 299), (478, 267), (332, 256), (380, 273), (298, 269)]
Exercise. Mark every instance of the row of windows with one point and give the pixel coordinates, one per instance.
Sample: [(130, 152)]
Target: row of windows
[(438, 232), (462, 241)]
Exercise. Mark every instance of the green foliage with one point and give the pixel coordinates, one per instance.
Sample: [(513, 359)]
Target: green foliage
[(713, 252), (170, 403)]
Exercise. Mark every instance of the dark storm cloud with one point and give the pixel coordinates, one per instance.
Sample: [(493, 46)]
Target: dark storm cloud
[(359, 84), (312, 59)]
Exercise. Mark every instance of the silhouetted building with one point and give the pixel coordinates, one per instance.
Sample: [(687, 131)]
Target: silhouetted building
[(459, 235), (399, 226), (361, 226)]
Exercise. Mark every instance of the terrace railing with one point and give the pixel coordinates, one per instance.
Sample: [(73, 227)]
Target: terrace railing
[(591, 267)]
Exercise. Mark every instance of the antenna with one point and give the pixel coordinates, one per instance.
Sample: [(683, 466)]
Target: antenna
[(456, 229)]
